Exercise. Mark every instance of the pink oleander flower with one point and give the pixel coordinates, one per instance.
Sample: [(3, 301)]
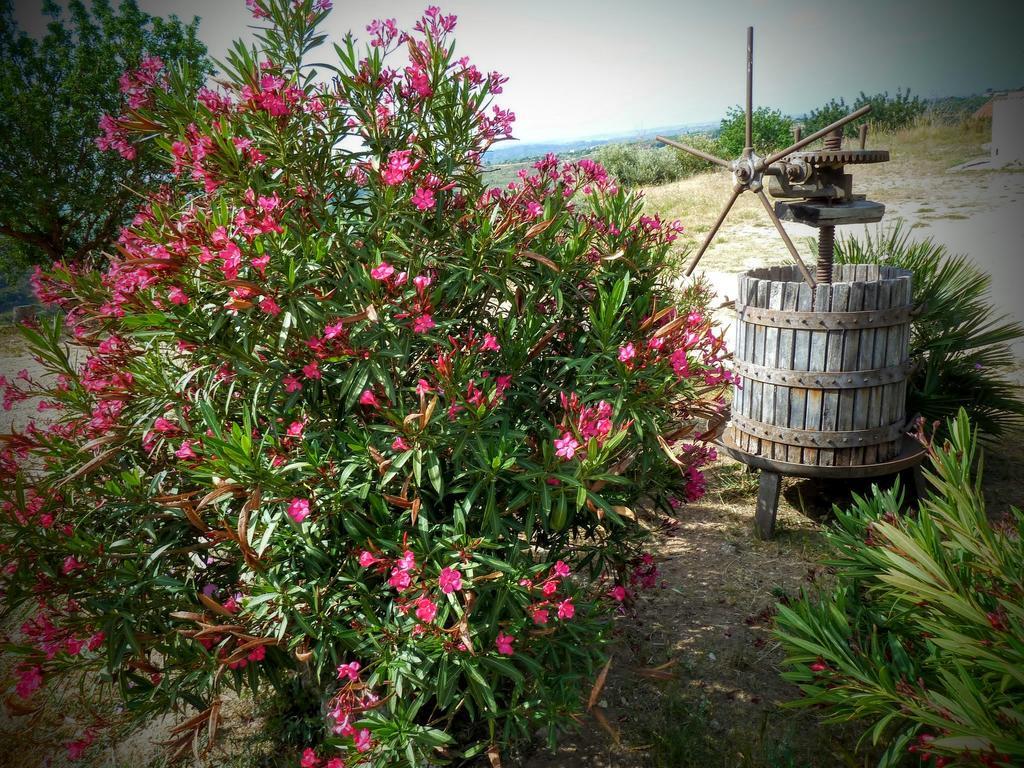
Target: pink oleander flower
[(298, 510), (618, 593), (369, 399), (259, 653), (295, 429), (426, 609), (504, 644), (71, 564), (362, 740), (270, 306), (312, 370), (291, 384), (29, 681), (490, 343), (260, 263), (566, 446), (549, 587), (382, 271), (566, 609), (423, 198), (309, 758), (163, 426), (398, 444), (350, 671), (399, 166), (450, 580), (177, 296), (407, 561), (560, 569), (423, 387), (539, 615), (422, 282), (366, 559), (400, 579), (185, 450), (627, 353), (334, 762), (423, 323)]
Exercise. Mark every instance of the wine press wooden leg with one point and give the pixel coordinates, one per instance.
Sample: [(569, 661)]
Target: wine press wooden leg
[(767, 504)]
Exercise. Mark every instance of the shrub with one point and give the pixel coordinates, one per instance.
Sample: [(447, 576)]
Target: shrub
[(691, 165), (636, 165), (962, 347), (344, 424), (772, 131), (921, 633), (888, 113)]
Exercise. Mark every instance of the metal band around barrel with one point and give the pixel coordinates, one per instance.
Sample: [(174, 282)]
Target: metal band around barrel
[(827, 321), (813, 438), (818, 380)]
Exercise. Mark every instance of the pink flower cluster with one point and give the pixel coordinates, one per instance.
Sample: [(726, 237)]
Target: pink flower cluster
[(644, 575), (540, 610), (353, 698), (580, 424), (273, 95), (137, 85), (399, 166)]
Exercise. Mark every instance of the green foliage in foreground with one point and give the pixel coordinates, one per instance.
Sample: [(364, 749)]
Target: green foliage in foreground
[(962, 345), (921, 634)]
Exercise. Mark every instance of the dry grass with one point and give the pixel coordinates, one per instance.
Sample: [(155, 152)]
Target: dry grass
[(920, 156)]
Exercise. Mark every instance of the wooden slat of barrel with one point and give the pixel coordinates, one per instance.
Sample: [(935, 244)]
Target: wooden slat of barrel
[(879, 359), (801, 360), (851, 353), (862, 397), (750, 341), (819, 348), (784, 360), (740, 390), (757, 388), (833, 363), (770, 360), (899, 400)]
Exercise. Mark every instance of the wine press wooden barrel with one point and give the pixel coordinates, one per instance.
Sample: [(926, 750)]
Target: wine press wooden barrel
[(821, 373)]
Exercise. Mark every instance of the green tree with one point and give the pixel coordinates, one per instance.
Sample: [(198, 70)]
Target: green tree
[(60, 196), (888, 113), (772, 131)]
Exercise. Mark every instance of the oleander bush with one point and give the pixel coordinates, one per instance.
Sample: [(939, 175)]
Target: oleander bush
[(339, 425), (920, 634)]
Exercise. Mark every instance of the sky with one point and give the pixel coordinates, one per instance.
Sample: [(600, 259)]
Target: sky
[(585, 68)]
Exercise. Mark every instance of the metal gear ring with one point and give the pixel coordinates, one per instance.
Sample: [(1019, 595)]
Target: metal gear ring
[(841, 156)]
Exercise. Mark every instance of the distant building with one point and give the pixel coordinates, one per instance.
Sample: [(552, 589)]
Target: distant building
[(1007, 129)]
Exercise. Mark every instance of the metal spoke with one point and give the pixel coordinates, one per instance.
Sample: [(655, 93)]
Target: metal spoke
[(749, 146), (737, 188), (696, 152), (815, 136), (785, 238)]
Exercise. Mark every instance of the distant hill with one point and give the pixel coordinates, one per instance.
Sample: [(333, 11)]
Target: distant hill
[(514, 151)]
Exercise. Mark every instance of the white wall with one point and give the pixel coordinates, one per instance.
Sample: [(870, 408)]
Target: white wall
[(1008, 130)]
